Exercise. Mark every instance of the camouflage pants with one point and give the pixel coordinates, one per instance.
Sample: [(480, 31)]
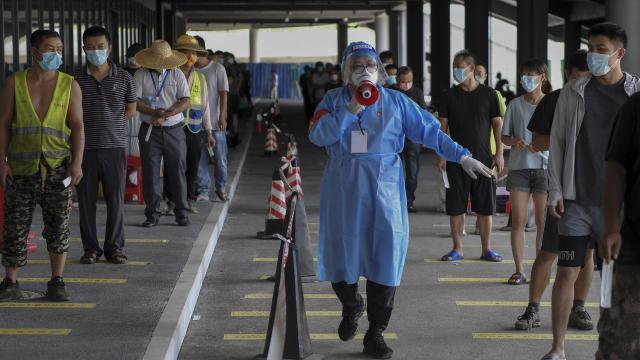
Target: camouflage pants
[(20, 201), (619, 327)]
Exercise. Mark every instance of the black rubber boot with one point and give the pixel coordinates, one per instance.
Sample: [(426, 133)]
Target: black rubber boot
[(374, 344), (349, 324)]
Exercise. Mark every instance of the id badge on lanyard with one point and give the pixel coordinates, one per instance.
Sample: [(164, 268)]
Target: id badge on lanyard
[(154, 101), (359, 138)]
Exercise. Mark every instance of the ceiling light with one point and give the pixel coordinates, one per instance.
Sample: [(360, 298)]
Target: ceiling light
[(286, 19)]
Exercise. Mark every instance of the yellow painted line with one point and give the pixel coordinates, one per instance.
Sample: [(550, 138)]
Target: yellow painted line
[(268, 296), (76, 280), (266, 277), (46, 305), (129, 241), (475, 261), (271, 259), (314, 336), (498, 303), (532, 336), (35, 331), (77, 262), (474, 280), (310, 313)]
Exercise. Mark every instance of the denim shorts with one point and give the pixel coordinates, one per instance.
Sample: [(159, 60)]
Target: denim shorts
[(528, 180)]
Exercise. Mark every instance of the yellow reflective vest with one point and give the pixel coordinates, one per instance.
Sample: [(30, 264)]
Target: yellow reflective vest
[(195, 113), (33, 139)]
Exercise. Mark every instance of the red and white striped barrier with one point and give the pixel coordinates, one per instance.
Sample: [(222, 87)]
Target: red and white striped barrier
[(271, 143)]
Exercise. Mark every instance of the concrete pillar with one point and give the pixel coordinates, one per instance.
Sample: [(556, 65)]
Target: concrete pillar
[(440, 49), (476, 28), (572, 34), (532, 19), (415, 40), (625, 13), (343, 39), (253, 46), (382, 32), (403, 44)]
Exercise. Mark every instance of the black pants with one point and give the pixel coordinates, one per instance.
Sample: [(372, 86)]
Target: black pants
[(194, 142), (168, 144), (411, 155), (379, 301), (107, 166)]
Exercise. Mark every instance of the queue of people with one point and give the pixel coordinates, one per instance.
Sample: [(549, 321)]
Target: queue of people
[(60, 130)]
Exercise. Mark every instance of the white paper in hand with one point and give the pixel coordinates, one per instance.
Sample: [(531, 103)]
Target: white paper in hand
[(445, 178), (606, 285), (66, 182), (210, 150)]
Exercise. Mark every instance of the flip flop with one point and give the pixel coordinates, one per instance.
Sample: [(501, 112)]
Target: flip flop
[(453, 255), (491, 256), (517, 279)]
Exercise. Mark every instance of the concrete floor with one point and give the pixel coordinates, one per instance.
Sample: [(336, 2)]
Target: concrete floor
[(427, 320)]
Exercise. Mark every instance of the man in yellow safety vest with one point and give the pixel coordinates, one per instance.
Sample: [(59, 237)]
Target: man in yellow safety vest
[(41, 148)]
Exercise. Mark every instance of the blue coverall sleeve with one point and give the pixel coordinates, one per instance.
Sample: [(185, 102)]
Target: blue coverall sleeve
[(422, 128), (328, 123)]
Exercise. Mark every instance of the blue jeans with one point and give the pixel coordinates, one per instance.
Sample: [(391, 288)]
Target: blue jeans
[(220, 166)]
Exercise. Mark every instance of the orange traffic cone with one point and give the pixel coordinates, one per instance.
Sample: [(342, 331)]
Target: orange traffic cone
[(271, 143), (276, 207)]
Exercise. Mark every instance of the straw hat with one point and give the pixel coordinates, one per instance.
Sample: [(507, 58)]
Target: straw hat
[(160, 56), (188, 42)]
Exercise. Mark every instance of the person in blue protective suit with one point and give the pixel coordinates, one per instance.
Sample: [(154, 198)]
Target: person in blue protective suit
[(363, 207)]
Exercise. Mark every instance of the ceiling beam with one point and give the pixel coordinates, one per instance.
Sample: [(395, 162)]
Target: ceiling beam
[(187, 6)]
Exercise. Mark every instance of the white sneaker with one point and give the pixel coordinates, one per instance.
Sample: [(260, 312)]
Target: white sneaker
[(202, 198)]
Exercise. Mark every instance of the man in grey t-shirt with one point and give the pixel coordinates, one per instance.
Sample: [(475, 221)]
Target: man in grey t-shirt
[(581, 126)]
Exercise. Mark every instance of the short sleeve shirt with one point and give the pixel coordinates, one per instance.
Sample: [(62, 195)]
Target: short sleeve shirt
[(103, 107), (542, 117), (469, 114), (217, 81), (516, 119), (624, 148), (148, 82)]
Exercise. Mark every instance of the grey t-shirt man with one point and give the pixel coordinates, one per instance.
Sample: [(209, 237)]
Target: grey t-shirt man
[(601, 105)]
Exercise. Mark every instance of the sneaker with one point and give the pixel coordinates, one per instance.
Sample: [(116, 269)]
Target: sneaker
[(151, 222), (89, 257), (10, 290), (580, 319), (168, 209), (530, 229), (203, 198), (183, 221), (349, 324), (192, 207), (56, 290), (375, 346), (529, 320), (505, 228), (411, 208)]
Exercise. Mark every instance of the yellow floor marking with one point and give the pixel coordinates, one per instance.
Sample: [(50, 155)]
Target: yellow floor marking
[(475, 261), (47, 305), (314, 336), (271, 259), (475, 280), (76, 262), (128, 241), (266, 277), (35, 331), (514, 303), (310, 313), (76, 280), (268, 296), (532, 336)]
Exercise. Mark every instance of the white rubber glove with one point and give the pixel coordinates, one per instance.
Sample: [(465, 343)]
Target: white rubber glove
[(354, 107), (472, 166)]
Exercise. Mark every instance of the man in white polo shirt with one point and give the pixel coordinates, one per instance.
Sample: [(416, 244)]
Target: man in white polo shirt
[(163, 95)]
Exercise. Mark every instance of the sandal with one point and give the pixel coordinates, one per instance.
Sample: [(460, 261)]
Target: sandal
[(517, 279), (491, 256), (453, 255)]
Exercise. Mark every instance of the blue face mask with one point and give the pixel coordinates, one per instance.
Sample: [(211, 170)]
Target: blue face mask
[(97, 57), (529, 83), (598, 63), (459, 74), (51, 61), (391, 80)]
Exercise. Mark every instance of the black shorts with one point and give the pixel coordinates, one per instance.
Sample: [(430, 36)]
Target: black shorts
[(572, 250), (550, 235), (482, 191)]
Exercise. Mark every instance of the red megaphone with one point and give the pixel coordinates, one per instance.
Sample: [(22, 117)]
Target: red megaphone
[(367, 93)]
